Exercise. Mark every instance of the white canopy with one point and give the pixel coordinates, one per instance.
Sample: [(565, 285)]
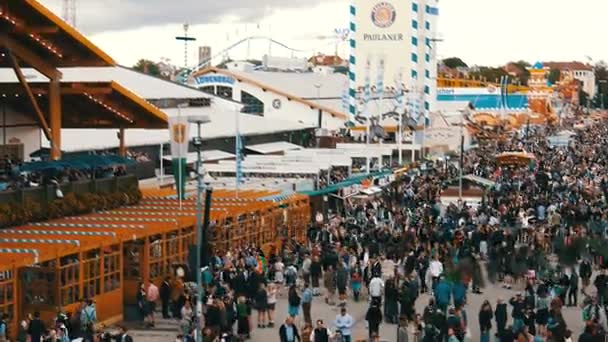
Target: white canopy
[(207, 156), (273, 147)]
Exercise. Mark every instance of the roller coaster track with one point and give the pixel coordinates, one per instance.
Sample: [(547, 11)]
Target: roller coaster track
[(207, 61)]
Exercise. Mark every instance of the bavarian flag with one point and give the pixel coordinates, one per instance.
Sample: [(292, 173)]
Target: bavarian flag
[(179, 130)]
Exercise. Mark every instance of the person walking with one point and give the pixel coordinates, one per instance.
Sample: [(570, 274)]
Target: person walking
[(294, 301), (272, 302), (573, 289), (152, 296), (307, 303), (165, 296), (501, 316), (320, 333), (329, 280), (344, 323), (261, 305), (376, 288), (485, 321), (373, 318), (288, 332), (36, 328)]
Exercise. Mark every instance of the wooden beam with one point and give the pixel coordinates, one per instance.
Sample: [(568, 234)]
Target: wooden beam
[(29, 57), (41, 29), (55, 116), (30, 95), (122, 149)]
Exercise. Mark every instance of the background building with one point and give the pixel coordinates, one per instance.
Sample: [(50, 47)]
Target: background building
[(579, 71)]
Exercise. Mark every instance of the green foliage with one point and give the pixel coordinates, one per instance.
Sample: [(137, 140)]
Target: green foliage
[(454, 62), (554, 76), (524, 75), (583, 97), (15, 214), (147, 67), (489, 74)]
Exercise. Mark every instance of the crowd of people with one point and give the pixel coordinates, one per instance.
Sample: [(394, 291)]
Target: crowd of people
[(538, 231)]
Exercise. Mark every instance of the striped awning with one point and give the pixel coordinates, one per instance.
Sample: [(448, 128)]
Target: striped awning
[(127, 219), (89, 225), (31, 251), (49, 241), (277, 198), (55, 232)]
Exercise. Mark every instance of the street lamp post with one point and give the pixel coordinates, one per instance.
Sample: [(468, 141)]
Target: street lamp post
[(601, 92), (197, 141)]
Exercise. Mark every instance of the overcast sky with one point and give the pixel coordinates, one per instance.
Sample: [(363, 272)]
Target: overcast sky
[(488, 32)]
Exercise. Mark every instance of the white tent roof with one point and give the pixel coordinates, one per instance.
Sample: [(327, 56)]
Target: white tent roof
[(221, 126), (274, 147), (146, 86), (271, 169), (207, 156)]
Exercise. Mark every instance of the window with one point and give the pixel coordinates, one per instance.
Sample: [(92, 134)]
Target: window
[(427, 90), (252, 105), (414, 41), (174, 255), (414, 58), (225, 92), (69, 276), (427, 25), (427, 57), (92, 274), (352, 59), (208, 89), (414, 74), (427, 74), (415, 24), (134, 252), (111, 269), (427, 106), (156, 257), (414, 7), (7, 294)]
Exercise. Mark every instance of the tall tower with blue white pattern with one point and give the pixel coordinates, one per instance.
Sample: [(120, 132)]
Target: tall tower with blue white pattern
[(402, 33)]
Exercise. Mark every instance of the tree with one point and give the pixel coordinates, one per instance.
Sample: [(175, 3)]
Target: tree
[(147, 67), (554, 76), (524, 75), (489, 74), (601, 80), (583, 97), (454, 62)]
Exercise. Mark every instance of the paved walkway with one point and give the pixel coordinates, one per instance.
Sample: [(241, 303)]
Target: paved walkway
[(166, 330)]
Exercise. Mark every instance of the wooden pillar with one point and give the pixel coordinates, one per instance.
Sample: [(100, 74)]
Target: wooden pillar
[(17, 314), (59, 302), (145, 262), (81, 274), (122, 148), (55, 118), (102, 271)]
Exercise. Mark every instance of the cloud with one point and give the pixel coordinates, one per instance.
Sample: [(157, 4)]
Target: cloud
[(108, 15)]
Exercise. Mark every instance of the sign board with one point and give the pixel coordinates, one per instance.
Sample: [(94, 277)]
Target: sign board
[(214, 79), (382, 26)]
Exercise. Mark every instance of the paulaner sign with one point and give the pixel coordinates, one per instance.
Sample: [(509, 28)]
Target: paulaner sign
[(382, 37)]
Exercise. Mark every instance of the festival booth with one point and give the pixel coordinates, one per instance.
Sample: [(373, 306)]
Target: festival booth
[(522, 158), (473, 190), (50, 266)]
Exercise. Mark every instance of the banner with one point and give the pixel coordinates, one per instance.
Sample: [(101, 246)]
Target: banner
[(179, 131)]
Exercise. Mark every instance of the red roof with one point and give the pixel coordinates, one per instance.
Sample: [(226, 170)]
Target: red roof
[(568, 66)]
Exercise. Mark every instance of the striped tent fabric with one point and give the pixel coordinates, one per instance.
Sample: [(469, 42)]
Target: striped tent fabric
[(49, 241), (89, 225), (129, 219), (31, 251), (55, 232)]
